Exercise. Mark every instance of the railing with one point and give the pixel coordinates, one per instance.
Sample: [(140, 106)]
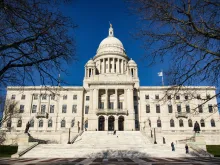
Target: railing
[(42, 115), (111, 111), (75, 137), (199, 151), (181, 114)]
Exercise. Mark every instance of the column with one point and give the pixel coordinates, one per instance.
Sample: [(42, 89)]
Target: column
[(113, 65), (125, 99), (121, 66), (106, 99), (97, 103), (106, 123), (116, 99), (85, 71), (99, 66), (109, 65), (104, 67), (91, 101), (116, 123), (95, 99), (117, 67)]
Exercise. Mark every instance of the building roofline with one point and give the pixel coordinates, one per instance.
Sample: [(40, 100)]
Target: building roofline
[(177, 87)]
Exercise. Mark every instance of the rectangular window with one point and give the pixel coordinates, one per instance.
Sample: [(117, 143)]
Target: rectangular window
[(169, 97), (86, 109), (64, 97), (64, 107), (200, 108), (13, 97), (21, 109), (120, 105), (111, 105), (51, 108), (53, 97), (147, 97), (157, 97), (74, 97), (186, 97), (210, 108), (187, 109), (178, 108), (157, 108), (136, 109), (147, 108), (43, 108), (170, 108), (35, 96), (177, 97), (74, 109), (87, 98), (23, 97), (34, 108), (44, 97), (198, 97), (101, 105), (208, 97)]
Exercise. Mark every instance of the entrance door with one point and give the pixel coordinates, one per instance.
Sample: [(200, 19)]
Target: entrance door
[(121, 123), (111, 121), (101, 123)]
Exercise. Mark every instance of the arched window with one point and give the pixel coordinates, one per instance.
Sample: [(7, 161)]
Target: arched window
[(32, 123), (41, 123), (212, 123), (202, 123), (181, 123), (9, 123), (172, 123), (19, 123), (86, 124), (50, 123), (73, 123), (63, 123), (190, 123), (158, 123)]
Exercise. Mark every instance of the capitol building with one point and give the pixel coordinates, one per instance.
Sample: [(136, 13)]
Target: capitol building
[(111, 98)]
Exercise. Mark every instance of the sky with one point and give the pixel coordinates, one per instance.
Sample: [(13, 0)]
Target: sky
[(92, 18)]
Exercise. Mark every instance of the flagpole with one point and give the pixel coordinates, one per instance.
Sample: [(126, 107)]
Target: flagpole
[(162, 78)]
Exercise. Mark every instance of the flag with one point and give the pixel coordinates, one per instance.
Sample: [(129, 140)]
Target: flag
[(160, 73)]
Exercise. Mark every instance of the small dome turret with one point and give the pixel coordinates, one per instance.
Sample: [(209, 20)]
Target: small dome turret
[(132, 63), (90, 63)]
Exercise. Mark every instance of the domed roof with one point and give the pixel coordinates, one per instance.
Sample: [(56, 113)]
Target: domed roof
[(111, 45), (132, 63), (90, 63)]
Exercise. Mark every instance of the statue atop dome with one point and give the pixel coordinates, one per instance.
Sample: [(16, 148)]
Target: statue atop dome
[(111, 32)]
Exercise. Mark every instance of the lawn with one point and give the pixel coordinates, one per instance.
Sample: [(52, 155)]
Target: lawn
[(214, 149), (7, 151)]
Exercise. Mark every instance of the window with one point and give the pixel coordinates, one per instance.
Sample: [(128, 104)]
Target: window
[(53, 97), (21, 109), (86, 109), (177, 97), (178, 108), (170, 108), (44, 97), (41, 123), (34, 108), (74, 109), (9, 123), (43, 108), (169, 97), (32, 123), (19, 123), (136, 109), (172, 123), (63, 123), (198, 96), (101, 105), (158, 123), (212, 123), (64, 107), (147, 108), (35, 96), (210, 108), (136, 124), (157, 108), (120, 105), (13, 97), (73, 123), (208, 97), (11, 108), (157, 97), (190, 123), (111, 105), (149, 122), (74, 97), (51, 108), (86, 124), (87, 98), (181, 123), (187, 109), (50, 123), (202, 123), (135, 98), (23, 97), (200, 108), (186, 97), (64, 97), (146, 97)]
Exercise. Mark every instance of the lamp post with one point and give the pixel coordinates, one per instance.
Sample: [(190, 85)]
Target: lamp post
[(155, 142), (69, 137)]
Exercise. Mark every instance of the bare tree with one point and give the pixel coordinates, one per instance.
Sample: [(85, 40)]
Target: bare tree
[(35, 41), (187, 34)]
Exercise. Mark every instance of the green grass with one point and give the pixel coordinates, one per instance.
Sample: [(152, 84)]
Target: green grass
[(7, 151), (214, 149)]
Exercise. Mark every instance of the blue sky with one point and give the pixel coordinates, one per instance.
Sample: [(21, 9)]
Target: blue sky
[(92, 18)]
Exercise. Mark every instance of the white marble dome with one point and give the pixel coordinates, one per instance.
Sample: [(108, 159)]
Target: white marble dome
[(132, 62)]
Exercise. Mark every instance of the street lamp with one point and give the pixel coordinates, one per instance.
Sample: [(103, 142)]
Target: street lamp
[(155, 142), (69, 137)]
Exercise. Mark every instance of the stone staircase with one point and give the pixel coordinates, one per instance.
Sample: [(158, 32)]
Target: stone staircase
[(99, 144)]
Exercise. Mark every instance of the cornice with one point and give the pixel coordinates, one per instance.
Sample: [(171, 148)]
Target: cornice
[(47, 88), (177, 88)]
